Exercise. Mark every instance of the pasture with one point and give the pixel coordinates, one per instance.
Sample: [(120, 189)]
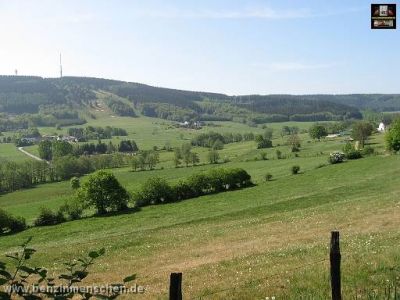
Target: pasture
[(268, 240)]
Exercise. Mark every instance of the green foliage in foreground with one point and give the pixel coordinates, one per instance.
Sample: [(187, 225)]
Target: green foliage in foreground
[(393, 136), (19, 280)]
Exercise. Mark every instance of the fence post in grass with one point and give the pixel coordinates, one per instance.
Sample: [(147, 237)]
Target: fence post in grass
[(335, 266), (175, 286)]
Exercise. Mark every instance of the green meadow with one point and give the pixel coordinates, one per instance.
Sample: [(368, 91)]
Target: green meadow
[(268, 240)]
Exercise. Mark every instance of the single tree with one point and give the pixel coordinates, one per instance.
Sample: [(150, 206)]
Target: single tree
[(361, 131), (45, 150), (103, 192), (213, 156), (317, 131)]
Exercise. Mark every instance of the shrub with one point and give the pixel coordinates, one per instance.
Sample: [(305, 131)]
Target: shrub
[(368, 150), (354, 154), (351, 152), (295, 170), (75, 183), (295, 149), (182, 190), (336, 157), (243, 178), (154, 191), (392, 137), (103, 192), (268, 177), (263, 143), (17, 224), (213, 156), (9, 223), (48, 218), (198, 184), (73, 209), (278, 154), (216, 180), (263, 155)]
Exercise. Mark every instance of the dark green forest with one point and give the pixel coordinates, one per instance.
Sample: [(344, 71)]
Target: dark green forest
[(60, 101)]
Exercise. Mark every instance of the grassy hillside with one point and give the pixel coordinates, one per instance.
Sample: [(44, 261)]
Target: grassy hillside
[(269, 240)]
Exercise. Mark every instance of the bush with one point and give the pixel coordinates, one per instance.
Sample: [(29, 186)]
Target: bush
[(75, 183), (295, 170), (183, 190), (198, 184), (263, 143), (11, 224), (351, 152), (73, 209), (354, 154), (17, 224), (154, 191), (295, 149), (268, 177), (48, 218), (336, 157), (278, 154), (392, 137), (368, 150), (263, 156)]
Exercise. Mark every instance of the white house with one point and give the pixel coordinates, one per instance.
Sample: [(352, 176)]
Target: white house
[(381, 127)]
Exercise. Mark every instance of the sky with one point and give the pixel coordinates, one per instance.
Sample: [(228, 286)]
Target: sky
[(228, 46)]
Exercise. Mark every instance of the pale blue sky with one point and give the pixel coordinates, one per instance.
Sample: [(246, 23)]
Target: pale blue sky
[(235, 47)]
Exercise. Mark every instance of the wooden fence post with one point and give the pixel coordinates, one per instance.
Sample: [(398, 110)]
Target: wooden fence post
[(175, 286), (335, 258)]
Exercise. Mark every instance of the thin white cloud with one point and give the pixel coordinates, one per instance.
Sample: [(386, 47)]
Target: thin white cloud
[(263, 13), (295, 66), (268, 13)]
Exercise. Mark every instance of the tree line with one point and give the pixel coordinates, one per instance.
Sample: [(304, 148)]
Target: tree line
[(216, 140), (49, 149), (94, 133)]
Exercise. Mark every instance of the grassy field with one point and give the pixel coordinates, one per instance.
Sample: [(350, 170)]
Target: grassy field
[(10, 153), (264, 241)]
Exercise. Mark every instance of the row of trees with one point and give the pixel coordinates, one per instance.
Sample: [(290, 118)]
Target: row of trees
[(158, 191), (185, 155), (143, 160), (53, 149), (15, 176), (103, 193), (216, 140), (94, 133)]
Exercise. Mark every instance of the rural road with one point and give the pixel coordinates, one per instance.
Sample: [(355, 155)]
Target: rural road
[(30, 154)]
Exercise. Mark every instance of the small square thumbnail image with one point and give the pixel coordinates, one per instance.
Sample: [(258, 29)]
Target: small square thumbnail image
[(383, 10), (383, 23)]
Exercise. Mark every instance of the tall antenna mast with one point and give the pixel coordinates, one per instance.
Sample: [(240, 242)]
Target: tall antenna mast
[(60, 67)]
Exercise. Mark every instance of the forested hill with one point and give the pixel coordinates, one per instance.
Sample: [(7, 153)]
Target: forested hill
[(46, 96)]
